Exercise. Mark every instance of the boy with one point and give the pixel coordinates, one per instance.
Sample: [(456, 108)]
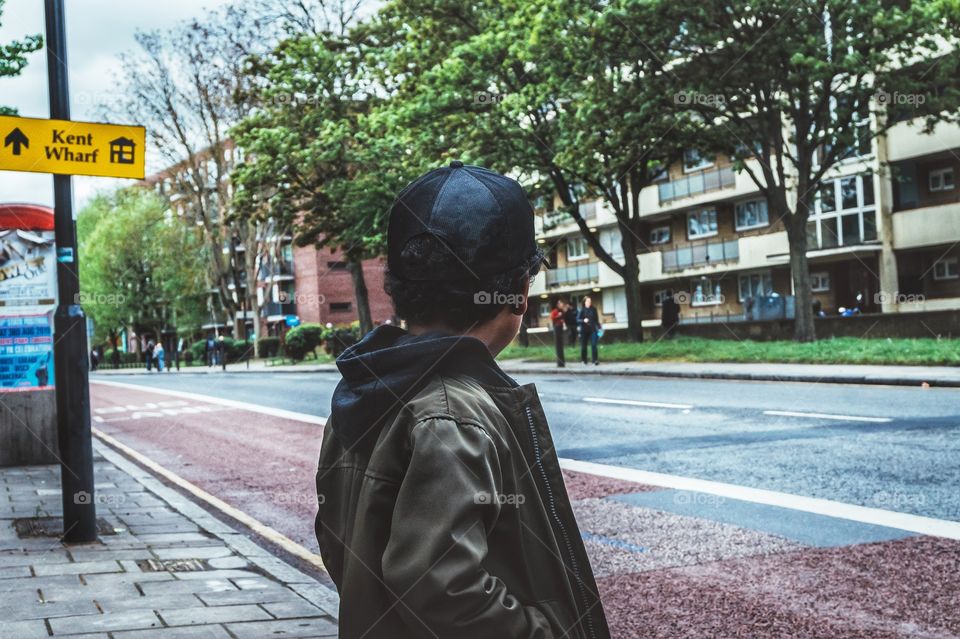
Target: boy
[(442, 510)]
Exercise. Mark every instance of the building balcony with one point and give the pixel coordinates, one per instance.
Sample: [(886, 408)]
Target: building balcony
[(702, 253), (927, 226), (554, 219), (277, 271), (278, 309), (697, 183), (586, 273)]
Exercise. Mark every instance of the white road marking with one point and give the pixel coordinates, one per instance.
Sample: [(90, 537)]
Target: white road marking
[(842, 418), (633, 402), (261, 529), (815, 505), (255, 408)]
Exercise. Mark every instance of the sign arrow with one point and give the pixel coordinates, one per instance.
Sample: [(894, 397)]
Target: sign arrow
[(17, 139)]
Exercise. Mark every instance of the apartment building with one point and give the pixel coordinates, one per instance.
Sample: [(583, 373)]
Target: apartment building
[(885, 237)]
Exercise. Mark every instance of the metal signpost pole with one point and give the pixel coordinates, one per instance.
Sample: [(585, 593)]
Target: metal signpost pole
[(70, 330)]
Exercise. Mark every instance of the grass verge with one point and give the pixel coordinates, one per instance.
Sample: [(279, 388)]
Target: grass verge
[(839, 350)]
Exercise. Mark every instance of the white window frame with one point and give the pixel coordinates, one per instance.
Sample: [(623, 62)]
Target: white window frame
[(709, 300), (698, 212), (939, 177), (545, 308), (703, 163), (739, 206), (659, 296), (861, 209), (764, 275), (580, 242), (946, 273), (657, 237), (820, 281)]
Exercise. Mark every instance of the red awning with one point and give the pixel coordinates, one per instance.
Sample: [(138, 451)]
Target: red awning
[(30, 217)]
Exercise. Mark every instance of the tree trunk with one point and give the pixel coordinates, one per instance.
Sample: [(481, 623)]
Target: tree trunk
[(360, 295), (631, 285), (804, 329)]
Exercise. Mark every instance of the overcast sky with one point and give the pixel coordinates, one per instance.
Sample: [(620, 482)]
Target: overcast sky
[(97, 31)]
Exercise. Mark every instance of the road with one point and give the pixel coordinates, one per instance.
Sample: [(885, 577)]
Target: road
[(716, 564), (716, 430)]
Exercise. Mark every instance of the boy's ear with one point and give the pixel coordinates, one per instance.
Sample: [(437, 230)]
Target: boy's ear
[(521, 309)]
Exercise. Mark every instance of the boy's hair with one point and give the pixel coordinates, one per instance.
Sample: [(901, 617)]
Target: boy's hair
[(459, 304)]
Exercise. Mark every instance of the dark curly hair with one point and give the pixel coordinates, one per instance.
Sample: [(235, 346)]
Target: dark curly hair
[(459, 304)]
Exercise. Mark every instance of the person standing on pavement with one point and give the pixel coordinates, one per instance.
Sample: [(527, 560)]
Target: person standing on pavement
[(559, 337), (570, 319), (589, 321), (148, 351), (442, 509), (158, 354)]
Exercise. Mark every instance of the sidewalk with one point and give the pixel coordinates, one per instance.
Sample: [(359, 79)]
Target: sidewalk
[(163, 567), (943, 376)]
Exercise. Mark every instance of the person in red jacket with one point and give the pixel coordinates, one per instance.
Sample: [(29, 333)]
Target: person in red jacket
[(557, 319)]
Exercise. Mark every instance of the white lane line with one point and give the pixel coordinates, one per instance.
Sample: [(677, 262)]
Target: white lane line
[(815, 505), (255, 408), (261, 529), (634, 402), (843, 418)]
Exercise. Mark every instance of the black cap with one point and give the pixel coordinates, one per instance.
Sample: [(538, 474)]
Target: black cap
[(483, 218)]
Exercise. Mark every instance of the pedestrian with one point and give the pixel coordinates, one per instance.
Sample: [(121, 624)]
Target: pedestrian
[(559, 337), (210, 350), (442, 511), (669, 314), (94, 359), (589, 321), (570, 319), (158, 354), (148, 352)]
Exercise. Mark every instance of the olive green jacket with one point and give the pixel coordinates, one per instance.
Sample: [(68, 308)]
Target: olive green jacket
[(453, 522)]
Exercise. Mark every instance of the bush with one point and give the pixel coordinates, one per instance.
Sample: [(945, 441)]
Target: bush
[(297, 343), (198, 351), (268, 346), (337, 339)]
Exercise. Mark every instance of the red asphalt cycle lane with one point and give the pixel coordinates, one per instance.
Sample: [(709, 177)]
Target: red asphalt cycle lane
[(660, 574)]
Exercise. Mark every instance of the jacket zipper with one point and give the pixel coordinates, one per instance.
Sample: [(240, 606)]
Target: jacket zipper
[(552, 504)]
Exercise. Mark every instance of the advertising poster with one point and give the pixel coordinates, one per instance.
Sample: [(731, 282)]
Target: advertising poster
[(28, 272), (26, 353)]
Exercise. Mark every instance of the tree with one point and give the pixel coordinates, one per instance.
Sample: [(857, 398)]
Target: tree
[(136, 271), (313, 155), (188, 87), (571, 97), (792, 84), (13, 58)]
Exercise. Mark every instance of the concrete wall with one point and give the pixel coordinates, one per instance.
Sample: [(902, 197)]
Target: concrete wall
[(28, 428)]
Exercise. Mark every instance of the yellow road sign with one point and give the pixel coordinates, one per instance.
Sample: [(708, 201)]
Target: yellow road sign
[(72, 148)]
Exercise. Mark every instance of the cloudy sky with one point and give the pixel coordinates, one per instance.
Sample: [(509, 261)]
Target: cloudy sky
[(97, 31)]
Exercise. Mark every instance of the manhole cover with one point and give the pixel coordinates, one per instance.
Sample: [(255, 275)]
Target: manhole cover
[(53, 527)]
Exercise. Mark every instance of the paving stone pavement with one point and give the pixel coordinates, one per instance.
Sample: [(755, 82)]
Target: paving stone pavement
[(169, 570)]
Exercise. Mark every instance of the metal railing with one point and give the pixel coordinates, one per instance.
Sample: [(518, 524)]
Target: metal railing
[(701, 253), (553, 219), (575, 274), (697, 183)]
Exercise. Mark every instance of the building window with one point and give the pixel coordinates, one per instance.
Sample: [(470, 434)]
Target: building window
[(751, 215), (545, 308), (820, 282), (755, 285), (660, 235), (340, 307), (941, 180), (705, 292), (577, 248), (844, 213), (659, 296), (693, 160), (946, 269), (702, 223), (337, 266)]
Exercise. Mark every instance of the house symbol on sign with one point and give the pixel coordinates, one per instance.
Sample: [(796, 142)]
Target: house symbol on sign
[(122, 151)]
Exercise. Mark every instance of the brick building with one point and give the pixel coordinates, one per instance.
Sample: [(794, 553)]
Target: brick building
[(323, 287)]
